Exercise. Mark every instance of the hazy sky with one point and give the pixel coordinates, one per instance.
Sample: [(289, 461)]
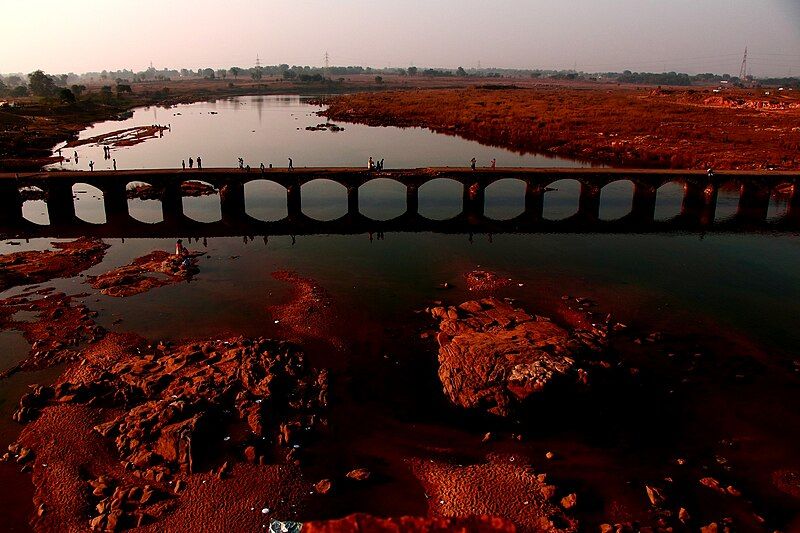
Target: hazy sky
[(592, 35)]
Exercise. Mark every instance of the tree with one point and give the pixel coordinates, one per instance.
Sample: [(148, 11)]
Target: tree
[(63, 78), (3, 88), (222, 73), (66, 96), (123, 88), (14, 81), (461, 72), (105, 93), (19, 90), (77, 90), (412, 71), (40, 84), (256, 74), (235, 71), (289, 74), (378, 79)]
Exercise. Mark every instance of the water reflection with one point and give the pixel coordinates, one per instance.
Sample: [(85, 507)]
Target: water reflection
[(269, 129), (561, 199), (324, 200), (440, 199), (265, 200), (382, 199), (505, 199)]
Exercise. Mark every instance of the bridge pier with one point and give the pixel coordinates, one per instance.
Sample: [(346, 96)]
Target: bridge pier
[(534, 201), (115, 201), (60, 204), (231, 200), (352, 202), (474, 199), (643, 207), (589, 201), (172, 202), (709, 210), (294, 206), (412, 200), (793, 209), (10, 204), (753, 202)]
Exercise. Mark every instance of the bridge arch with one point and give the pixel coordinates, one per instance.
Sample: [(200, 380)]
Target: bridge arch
[(201, 201), (728, 196), (324, 199), (89, 205), (561, 199), (779, 201), (669, 200), (144, 201), (265, 200), (34, 205), (616, 199), (505, 199), (382, 199), (441, 199)]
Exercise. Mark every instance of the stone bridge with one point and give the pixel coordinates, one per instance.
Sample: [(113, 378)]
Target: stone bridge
[(697, 212)]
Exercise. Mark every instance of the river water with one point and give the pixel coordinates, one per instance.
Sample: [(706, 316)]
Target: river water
[(737, 295)]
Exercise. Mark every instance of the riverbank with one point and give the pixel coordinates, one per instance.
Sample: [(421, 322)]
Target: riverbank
[(653, 128)]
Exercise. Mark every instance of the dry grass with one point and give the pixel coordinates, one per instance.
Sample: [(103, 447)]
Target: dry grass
[(625, 127)]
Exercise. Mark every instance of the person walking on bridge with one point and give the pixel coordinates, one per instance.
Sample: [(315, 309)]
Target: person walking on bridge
[(291, 167), (91, 166), (191, 162), (199, 163), (183, 164), (115, 164), (370, 163), (494, 163), (472, 163)]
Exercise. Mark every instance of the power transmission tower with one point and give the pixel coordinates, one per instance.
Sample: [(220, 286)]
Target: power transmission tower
[(327, 72), (743, 70), (258, 62)]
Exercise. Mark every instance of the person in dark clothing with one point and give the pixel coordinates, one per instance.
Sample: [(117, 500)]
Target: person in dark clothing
[(199, 163)]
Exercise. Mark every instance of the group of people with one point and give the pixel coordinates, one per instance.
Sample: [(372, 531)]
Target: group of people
[(374, 165), (191, 163), (474, 162)]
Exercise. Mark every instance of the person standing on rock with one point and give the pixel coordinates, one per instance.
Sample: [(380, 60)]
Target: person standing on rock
[(199, 163), (472, 163), (180, 249), (191, 162)]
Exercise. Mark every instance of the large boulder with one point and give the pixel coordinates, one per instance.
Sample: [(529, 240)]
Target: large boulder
[(492, 355)]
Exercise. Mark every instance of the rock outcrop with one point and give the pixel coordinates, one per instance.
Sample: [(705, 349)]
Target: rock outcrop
[(410, 524), (492, 355)]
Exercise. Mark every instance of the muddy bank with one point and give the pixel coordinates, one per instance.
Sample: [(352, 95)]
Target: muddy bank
[(691, 129), (122, 138)]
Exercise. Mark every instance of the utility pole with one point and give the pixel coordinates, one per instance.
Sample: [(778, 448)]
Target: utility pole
[(743, 70)]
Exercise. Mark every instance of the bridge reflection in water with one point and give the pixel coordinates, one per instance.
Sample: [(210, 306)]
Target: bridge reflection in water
[(697, 212)]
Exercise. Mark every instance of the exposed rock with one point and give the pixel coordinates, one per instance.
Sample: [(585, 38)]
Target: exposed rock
[(156, 269), (359, 474), (323, 486), (492, 355), (485, 280), (569, 501)]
